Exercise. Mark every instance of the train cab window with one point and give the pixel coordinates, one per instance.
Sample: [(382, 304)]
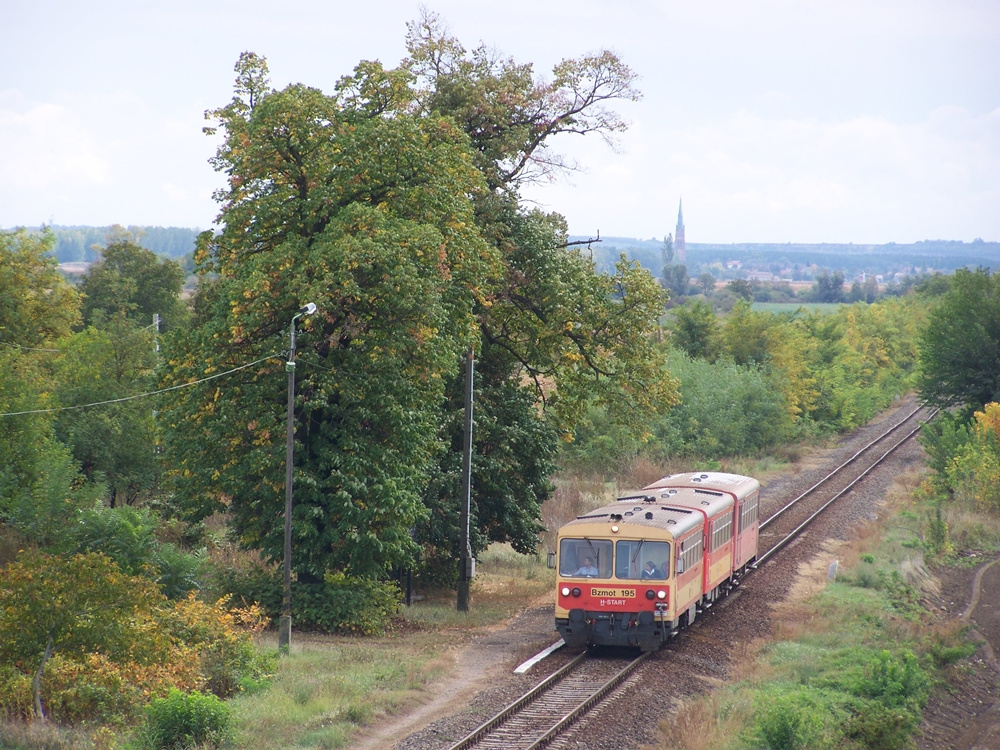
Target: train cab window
[(635, 558), (585, 558)]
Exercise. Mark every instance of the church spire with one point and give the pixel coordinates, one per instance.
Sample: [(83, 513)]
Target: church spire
[(680, 247)]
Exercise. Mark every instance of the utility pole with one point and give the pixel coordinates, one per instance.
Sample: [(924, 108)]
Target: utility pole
[(466, 563), (285, 621)]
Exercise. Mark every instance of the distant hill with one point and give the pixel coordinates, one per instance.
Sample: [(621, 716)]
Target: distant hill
[(796, 260), (73, 244), (789, 260)]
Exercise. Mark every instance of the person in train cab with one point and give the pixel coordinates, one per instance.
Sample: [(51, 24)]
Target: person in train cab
[(587, 569), (649, 571)]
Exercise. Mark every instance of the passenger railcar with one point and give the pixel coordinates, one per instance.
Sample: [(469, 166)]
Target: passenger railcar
[(633, 573)]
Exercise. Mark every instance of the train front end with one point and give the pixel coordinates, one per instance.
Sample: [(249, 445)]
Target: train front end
[(617, 579)]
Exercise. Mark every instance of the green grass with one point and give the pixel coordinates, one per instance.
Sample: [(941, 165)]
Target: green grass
[(327, 687), (793, 307), (505, 583)]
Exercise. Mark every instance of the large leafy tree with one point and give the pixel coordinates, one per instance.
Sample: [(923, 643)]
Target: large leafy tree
[(393, 206), (37, 304), (556, 337), (115, 441), (960, 346), (39, 480), (133, 282), (369, 218)]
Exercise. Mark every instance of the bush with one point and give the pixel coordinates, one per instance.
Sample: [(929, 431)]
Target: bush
[(15, 694), (218, 639), (881, 727), (125, 534), (346, 605), (177, 570), (91, 689), (725, 410), (790, 722), (341, 604), (187, 720), (895, 682)]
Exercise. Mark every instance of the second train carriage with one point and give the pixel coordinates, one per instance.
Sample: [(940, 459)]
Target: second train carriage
[(633, 572)]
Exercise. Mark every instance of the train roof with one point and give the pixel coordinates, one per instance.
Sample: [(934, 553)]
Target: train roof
[(737, 484), (712, 502), (645, 509)]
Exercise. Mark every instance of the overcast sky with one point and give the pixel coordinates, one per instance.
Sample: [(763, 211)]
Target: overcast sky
[(865, 121)]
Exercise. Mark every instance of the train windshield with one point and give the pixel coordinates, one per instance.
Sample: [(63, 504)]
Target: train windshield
[(637, 558), (590, 558)]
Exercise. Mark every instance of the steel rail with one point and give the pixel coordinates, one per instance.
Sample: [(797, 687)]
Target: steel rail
[(565, 722), (488, 726), (848, 462), (798, 529), (552, 680)]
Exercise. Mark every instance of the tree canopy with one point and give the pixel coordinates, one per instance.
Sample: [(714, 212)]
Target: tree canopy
[(133, 282), (960, 347), (392, 205)]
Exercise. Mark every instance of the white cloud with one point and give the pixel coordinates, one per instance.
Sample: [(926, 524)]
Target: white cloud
[(44, 145), (756, 178)]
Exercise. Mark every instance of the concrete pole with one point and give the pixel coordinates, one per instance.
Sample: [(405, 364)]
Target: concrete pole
[(466, 562)]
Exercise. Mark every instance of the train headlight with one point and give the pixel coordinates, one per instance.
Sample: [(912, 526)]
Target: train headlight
[(564, 591), (614, 529), (576, 591), (661, 594), (650, 594)]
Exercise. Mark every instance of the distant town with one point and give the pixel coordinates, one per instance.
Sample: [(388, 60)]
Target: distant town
[(76, 247)]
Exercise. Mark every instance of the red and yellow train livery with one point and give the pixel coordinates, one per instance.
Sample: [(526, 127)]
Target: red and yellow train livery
[(634, 572)]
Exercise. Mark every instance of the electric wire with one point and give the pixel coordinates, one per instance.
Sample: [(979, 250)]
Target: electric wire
[(140, 395)]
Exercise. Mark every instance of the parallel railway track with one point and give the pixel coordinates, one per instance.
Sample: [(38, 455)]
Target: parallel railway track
[(790, 521)]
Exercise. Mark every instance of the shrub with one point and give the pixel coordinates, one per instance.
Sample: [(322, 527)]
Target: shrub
[(346, 605), (187, 720), (896, 682), (89, 689), (789, 722), (15, 694), (218, 639), (177, 570), (340, 604), (125, 534), (881, 727)]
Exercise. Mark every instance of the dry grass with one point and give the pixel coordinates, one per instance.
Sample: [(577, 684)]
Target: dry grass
[(573, 496), (970, 529)]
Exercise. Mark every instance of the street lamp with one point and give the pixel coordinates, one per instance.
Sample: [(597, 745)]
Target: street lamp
[(285, 623)]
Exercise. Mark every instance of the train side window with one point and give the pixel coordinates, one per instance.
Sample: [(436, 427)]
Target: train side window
[(722, 532), (690, 554), (748, 516)]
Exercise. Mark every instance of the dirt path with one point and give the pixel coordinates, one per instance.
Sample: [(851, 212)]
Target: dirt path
[(479, 664)]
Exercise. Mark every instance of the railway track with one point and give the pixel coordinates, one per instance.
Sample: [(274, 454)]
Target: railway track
[(541, 715), (790, 521)]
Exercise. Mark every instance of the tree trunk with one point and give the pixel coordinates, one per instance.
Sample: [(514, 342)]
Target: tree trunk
[(36, 684)]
